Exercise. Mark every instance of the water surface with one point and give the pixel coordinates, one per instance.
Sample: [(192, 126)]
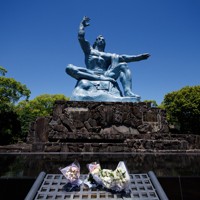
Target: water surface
[(163, 165)]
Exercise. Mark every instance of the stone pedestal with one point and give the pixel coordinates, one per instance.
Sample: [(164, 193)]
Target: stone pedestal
[(105, 127)]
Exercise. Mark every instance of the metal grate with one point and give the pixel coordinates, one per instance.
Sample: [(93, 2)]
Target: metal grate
[(53, 184)]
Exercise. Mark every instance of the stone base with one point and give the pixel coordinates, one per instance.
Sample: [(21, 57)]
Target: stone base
[(106, 127), (174, 144), (101, 121)]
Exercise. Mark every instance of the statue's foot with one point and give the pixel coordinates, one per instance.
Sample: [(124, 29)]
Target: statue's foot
[(131, 94)]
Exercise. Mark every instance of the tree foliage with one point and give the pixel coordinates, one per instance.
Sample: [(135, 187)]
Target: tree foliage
[(3, 71), (183, 108), (40, 106), (11, 91), (10, 127)]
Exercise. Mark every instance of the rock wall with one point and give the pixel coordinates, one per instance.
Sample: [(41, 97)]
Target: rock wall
[(106, 127)]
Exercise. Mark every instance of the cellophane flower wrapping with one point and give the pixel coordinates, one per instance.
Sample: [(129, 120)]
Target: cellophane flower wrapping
[(72, 173), (117, 180)]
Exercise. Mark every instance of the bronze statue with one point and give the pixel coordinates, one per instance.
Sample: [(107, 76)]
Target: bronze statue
[(103, 66)]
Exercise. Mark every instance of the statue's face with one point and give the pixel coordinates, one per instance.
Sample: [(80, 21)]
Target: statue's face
[(100, 41)]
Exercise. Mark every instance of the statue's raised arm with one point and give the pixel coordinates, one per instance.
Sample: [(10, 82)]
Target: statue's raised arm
[(85, 45)]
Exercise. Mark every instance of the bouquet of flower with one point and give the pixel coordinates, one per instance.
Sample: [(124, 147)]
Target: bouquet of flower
[(117, 180), (72, 173)]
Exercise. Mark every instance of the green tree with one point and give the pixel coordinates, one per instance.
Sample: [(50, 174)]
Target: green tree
[(3, 71), (183, 109), (11, 91), (40, 106)]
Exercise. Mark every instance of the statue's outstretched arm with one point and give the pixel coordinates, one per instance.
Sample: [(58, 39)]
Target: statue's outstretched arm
[(85, 45), (133, 58)]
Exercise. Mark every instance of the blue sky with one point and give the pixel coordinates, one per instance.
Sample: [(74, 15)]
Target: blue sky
[(38, 38)]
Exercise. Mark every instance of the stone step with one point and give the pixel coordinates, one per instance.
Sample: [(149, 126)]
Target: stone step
[(134, 145)]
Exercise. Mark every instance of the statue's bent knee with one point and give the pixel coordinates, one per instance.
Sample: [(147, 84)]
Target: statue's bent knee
[(72, 71), (69, 69)]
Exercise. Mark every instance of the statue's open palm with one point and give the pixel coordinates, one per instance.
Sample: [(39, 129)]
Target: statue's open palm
[(86, 21)]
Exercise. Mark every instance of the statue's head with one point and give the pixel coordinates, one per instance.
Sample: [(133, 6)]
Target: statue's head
[(100, 43)]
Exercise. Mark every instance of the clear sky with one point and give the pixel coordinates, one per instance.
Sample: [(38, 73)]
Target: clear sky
[(38, 38)]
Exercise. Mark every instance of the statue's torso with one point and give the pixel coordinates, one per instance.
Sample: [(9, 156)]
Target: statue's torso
[(97, 61)]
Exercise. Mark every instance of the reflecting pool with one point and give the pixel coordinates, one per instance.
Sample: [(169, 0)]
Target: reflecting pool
[(163, 165)]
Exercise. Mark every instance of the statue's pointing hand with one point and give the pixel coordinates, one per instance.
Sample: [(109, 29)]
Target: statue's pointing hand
[(85, 21), (145, 56)]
